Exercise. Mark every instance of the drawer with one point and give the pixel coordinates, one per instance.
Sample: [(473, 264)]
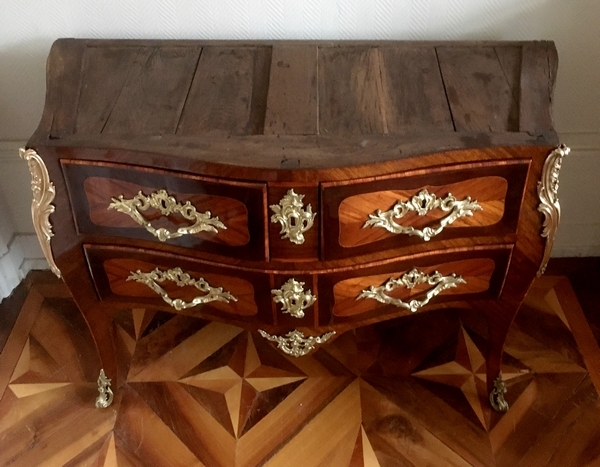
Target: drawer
[(179, 284), (404, 286), (367, 215), (221, 216)]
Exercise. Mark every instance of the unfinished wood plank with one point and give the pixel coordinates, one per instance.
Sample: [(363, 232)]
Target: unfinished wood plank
[(478, 92), (510, 61), (292, 101), (229, 91), (350, 91), (415, 100), (105, 71), (67, 72), (155, 91), (538, 75)]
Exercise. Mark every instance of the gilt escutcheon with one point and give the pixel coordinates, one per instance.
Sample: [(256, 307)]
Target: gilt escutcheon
[(294, 300), (293, 218)]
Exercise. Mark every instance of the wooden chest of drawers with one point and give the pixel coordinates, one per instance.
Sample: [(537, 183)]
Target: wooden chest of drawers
[(299, 190)]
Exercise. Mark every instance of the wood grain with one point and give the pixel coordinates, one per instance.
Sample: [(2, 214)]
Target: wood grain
[(100, 90), (63, 99), (111, 267), (480, 100), (538, 75), (224, 95), (239, 205), (191, 117), (352, 103), (118, 272), (414, 98), (348, 204), (292, 100), (154, 93)]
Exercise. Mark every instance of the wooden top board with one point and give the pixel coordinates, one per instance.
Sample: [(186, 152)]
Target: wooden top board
[(108, 90)]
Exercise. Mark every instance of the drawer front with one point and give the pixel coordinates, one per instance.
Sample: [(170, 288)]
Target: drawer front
[(402, 287), (179, 285), (294, 222), (363, 216), (222, 217)]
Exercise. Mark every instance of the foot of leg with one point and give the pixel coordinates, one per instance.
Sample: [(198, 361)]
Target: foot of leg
[(105, 396), (497, 400)]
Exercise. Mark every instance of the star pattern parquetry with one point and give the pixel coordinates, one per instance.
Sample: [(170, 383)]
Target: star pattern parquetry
[(202, 393), (468, 373), (239, 378)]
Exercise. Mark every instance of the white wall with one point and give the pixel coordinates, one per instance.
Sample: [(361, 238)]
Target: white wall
[(28, 28)]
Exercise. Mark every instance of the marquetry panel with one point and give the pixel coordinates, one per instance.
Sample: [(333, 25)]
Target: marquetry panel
[(476, 274), (483, 270), (232, 213), (210, 394), (239, 206), (349, 207), (354, 211), (119, 272), (234, 294)]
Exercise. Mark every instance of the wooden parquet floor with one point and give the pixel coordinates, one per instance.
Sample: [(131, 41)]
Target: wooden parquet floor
[(208, 394)]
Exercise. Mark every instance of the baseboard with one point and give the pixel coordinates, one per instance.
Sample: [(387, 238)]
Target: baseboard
[(24, 254)]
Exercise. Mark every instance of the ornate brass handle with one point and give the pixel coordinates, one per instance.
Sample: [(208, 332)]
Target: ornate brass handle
[(293, 299), (294, 343), (181, 279), (293, 218), (421, 203), (167, 205), (410, 280)]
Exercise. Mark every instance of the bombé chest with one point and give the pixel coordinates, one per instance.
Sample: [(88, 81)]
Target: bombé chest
[(298, 189)]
